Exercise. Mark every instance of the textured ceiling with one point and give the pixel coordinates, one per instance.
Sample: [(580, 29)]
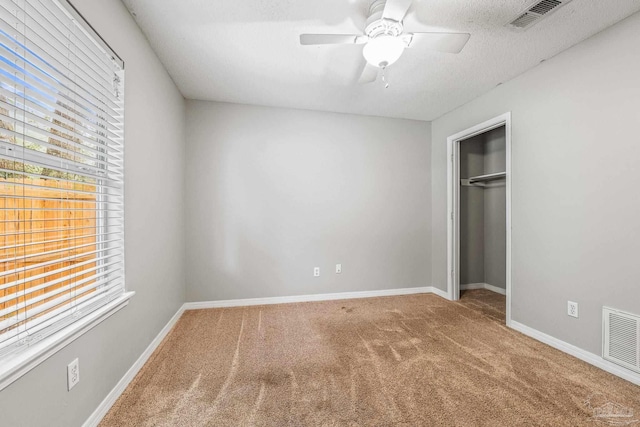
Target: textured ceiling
[(247, 51)]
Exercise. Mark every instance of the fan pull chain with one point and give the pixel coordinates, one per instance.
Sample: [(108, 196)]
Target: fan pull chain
[(384, 78)]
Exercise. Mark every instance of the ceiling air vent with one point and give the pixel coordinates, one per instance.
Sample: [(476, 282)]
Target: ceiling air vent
[(621, 338), (545, 6), (535, 13)]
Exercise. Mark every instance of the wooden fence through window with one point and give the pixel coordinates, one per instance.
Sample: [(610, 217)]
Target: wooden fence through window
[(42, 217)]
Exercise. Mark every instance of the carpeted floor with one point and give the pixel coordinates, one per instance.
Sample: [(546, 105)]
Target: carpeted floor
[(415, 360)]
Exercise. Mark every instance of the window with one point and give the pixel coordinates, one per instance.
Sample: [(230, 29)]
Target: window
[(61, 172)]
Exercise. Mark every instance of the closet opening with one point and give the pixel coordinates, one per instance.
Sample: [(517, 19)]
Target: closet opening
[(479, 241)]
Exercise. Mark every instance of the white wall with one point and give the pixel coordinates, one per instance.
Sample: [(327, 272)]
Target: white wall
[(575, 163), (272, 193), (154, 166)]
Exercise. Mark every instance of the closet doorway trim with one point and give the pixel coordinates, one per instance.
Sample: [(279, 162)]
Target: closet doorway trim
[(453, 203)]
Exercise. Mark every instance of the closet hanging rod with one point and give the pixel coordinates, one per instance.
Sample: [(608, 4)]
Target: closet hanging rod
[(487, 177)]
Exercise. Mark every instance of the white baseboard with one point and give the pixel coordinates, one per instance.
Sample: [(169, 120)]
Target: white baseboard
[(486, 286), (307, 298), (495, 289), (470, 286), (592, 359), (97, 415), (440, 293)]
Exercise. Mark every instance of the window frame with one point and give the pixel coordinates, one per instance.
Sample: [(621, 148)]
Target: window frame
[(15, 364)]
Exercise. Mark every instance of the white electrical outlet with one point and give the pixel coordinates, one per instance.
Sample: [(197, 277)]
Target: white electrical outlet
[(73, 374), (338, 268), (572, 308), (316, 272)]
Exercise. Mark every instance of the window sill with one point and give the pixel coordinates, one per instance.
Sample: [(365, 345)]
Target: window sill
[(17, 365)]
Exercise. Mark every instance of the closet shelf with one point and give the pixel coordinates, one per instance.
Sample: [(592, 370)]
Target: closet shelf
[(487, 177)]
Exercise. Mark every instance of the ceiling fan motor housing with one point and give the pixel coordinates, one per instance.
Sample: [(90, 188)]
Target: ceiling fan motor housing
[(385, 44), (383, 26), (377, 25)]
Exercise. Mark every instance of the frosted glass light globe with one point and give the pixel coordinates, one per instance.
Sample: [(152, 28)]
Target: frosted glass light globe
[(383, 50)]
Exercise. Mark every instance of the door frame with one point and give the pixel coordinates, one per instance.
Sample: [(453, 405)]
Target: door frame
[(453, 204)]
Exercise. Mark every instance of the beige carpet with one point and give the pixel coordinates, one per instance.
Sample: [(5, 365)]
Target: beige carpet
[(414, 360)]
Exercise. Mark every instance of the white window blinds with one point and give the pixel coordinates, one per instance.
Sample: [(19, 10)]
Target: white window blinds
[(61, 171)]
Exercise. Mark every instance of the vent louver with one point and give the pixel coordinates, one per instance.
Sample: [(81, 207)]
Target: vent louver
[(535, 13), (545, 6), (621, 333), (524, 20)]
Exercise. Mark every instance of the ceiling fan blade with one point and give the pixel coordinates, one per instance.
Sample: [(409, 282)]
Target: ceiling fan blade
[(369, 74), (442, 42), (311, 39), (396, 9)]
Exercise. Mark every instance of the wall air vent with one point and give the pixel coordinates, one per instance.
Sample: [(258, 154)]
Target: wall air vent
[(535, 13), (621, 338)]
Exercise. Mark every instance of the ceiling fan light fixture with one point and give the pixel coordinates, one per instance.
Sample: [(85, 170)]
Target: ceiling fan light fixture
[(383, 50)]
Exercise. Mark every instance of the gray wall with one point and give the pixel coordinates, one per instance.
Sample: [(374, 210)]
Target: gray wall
[(273, 193), (575, 153), (154, 159)]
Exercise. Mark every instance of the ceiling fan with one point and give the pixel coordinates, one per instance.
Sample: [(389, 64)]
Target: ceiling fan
[(385, 39)]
